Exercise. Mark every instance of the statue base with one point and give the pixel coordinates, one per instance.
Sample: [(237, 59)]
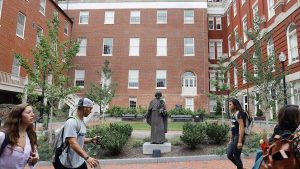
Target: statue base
[(148, 147)]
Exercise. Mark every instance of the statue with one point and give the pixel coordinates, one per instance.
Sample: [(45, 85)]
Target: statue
[(158, 120)]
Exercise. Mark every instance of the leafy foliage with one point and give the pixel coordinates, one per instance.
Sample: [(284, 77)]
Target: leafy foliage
[(193, 134), (217, 133)]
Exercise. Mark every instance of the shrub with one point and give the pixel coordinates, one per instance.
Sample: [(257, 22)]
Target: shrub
[(193, 134), (141, 110), (218, 133), (180, 111), (259, 113), (115, 111), (130, 110), (122, 128), (45, 149), (137, 143)]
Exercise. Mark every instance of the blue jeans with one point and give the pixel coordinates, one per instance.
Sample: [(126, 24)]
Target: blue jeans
[(258, 159), (233, 153)]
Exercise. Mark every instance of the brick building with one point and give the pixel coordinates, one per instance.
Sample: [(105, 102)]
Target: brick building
[(20, 23)]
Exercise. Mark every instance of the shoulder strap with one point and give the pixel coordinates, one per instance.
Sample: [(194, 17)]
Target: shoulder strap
[(5, 143), (78, 126)]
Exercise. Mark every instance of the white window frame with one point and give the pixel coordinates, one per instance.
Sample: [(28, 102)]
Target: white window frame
[(83, 14), (135, 17), (103, 47), (212, 77), (228, 17), (229, 45), (211, 20), (109, 17), (189, 103), (219, 45), (235, 75), (218, 22), (134, 47), (212, 50), (228, 80), (186, 46), (1, 4), (161, 19), (271, 10), (133, 79), (234, 8), (15, 70), (189, 81), (243, 2), (42, 9), (236, 38), (244, 65), (161, 75), (189, 19), (66, 28), (246, 103), (271, 51), (245, 28), (23, 25), (132, 99), (161, 47), (82, 47), (77, 73), (292, 34)]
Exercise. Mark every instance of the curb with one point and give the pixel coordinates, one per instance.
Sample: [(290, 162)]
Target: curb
[(160, 160)]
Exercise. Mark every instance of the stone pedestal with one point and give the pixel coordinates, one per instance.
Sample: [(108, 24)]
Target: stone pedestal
[(148, 147)]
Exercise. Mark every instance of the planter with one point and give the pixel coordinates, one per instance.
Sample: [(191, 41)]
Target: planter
[(132, 117), (262, 118), (182, 118)]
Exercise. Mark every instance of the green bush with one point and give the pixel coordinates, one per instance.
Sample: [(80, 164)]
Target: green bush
[(217, 133), (141, 110), (259, 113), (44, 148), (114, 141), (115, 111), (193, 134), (180, 111), (122, 128)]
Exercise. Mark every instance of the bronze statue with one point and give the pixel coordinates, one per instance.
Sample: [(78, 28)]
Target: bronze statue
[(158, 120)]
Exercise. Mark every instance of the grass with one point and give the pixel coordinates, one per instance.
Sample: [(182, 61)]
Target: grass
[(172, 126)]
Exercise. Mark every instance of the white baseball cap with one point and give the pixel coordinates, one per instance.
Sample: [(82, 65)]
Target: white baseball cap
[(85, 102)]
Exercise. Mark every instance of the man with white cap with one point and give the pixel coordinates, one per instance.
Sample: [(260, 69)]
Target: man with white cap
[(74, 156)]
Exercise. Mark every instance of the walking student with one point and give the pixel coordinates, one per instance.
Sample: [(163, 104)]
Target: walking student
[(18, 141), (236, 142), (74, 156)]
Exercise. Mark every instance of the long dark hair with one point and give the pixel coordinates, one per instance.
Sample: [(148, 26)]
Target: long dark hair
[(12, 123), (288, 117), (237, 104)]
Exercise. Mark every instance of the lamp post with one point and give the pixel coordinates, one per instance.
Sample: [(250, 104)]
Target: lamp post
[(282, 59)]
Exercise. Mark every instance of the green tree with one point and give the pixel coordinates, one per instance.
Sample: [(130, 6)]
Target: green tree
[(103, 93), (52, 59)]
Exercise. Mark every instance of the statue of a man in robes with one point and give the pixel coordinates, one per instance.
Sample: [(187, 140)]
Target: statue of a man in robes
[(158, 120)]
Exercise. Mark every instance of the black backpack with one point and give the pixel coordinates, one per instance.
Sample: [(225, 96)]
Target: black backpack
[(4, 144)]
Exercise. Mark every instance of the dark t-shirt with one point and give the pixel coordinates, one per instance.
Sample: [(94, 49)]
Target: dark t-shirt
[(234, 123)]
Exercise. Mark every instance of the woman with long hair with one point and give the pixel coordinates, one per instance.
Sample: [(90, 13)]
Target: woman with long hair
[(236, 142), (21, 148)]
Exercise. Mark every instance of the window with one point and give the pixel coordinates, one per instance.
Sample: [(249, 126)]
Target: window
[(211, 23), (243, 1), (42, 6), (212, 81), (82, 47), (161, 79), (228, 80), (39, 33), (245, 28), (66, 28), (189, 79), (189, 47), (219, 49), (188, 16), (135, 17), (218, 23), (1, 4), (229, 45), (271, 53), (21, 25), (107, 47), (228, 17), (293, 54), (244, 71), (79, 78), (271, 10), (212, 53), (162, 17), (235, 74), (234, 8), (246, 103), (84, 17), (15, 71), (133, 79), (212, 105), (161, 47), (236, 37), (132, 102), (109, 17), (134, 47), (189, 103)]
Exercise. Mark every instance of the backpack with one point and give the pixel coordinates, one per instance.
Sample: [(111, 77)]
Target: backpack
[(284, 153), (4, 143), (248, 123), (59, 144)]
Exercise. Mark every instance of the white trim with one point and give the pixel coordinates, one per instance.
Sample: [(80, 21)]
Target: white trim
[(1, 6), (23, 35), (43, 13), (132, 5)]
